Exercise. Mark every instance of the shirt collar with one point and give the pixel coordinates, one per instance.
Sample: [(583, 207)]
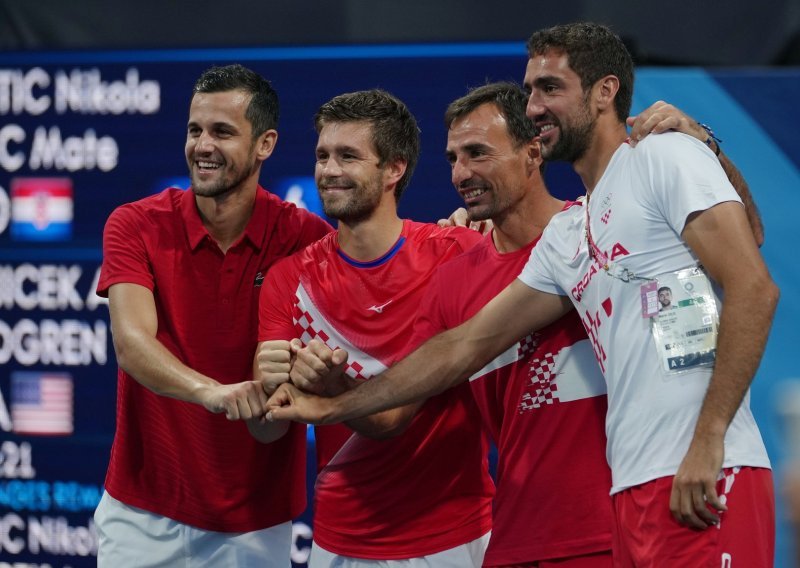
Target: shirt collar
[(196, 232)]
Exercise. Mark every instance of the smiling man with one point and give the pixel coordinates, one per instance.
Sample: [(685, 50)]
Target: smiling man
[(690, 474), (182, 271), (409, 487)]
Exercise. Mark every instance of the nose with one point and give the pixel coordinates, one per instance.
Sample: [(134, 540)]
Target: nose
[(329, 167), (534, 107), (460, 173), (204, 143)]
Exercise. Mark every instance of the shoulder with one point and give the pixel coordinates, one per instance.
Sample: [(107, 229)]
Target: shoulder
[(279, 207), (432, 233), (292, 223), (669, 145), (477, 256), (307, 259), (148, 208), (565, 226), (572, 211)]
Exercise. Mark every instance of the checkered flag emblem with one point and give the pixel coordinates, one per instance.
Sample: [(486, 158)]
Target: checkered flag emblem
[(606, 216), (541, 389), (307, 330), (528, 344), (304, 324), (354, 370)]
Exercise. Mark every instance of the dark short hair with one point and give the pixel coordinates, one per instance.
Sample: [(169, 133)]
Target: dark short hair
[(664, 288), (593, 51), (508, 97), (394, 129), (262, 112)]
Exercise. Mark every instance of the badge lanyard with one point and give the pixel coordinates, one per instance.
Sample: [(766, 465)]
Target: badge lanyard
[(648, 290), (599, 256)]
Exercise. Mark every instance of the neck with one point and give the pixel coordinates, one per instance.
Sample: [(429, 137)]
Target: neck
[(226, 216), (371, 238), (605, 141), (524, 221)]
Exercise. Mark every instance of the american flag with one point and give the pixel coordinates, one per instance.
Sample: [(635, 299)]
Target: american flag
[(41, 403)]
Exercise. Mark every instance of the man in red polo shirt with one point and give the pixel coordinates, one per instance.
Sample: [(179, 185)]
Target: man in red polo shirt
[(182, 271)]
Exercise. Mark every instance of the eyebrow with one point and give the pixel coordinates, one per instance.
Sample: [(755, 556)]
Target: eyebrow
[(475, 146), (341, 149), (214, 125), (539, 81)]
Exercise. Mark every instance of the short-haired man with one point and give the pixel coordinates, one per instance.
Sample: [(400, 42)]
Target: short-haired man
[(681, 436), (409, 487), (186, 484), (545, 396)]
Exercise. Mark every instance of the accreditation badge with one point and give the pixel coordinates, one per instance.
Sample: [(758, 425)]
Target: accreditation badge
[(686, 326)]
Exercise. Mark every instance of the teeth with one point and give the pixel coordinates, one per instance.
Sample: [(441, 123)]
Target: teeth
[(474, 193), (208, 165), (546, 127)]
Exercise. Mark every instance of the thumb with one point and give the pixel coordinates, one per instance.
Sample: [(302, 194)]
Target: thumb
[(630, 120), (339, 356), (295, 345), (714, 500), (276, 414)]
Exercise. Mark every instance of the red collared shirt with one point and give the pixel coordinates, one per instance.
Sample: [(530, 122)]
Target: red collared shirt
[(175, 458)]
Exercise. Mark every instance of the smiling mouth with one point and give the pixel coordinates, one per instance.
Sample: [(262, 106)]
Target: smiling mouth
[(546, 129), (209, 166), (473, 193)]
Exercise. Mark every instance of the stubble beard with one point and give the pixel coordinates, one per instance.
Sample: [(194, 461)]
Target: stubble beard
[(227, 182), (358, 206), (574, 139)]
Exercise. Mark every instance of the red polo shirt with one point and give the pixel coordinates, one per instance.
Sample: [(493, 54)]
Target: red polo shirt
[(175, 458)]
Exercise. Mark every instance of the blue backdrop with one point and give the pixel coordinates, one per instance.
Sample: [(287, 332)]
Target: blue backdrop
[(108, 128)]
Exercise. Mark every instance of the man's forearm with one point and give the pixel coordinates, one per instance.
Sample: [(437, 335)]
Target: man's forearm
[(744, 327), (433, 368), (380, 425), (155, 367)]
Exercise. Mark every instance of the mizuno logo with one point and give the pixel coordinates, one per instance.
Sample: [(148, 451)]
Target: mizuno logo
[(379, 309)]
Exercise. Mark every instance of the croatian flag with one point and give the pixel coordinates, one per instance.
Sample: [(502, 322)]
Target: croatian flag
[(41, 209), (41, 403)]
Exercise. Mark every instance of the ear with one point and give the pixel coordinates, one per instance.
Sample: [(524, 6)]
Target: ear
[(605, 91), (265, 144), (533, 149), (393, 172)]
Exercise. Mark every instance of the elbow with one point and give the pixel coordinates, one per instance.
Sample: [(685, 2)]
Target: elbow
[(123, 352), (763, 292), (773, 293)]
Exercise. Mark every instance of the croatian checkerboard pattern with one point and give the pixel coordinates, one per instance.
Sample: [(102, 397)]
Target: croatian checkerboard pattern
[(307, 330), (541, 389)]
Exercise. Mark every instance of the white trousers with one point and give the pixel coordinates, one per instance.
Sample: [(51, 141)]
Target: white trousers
[(469, 555), (131, 537)]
